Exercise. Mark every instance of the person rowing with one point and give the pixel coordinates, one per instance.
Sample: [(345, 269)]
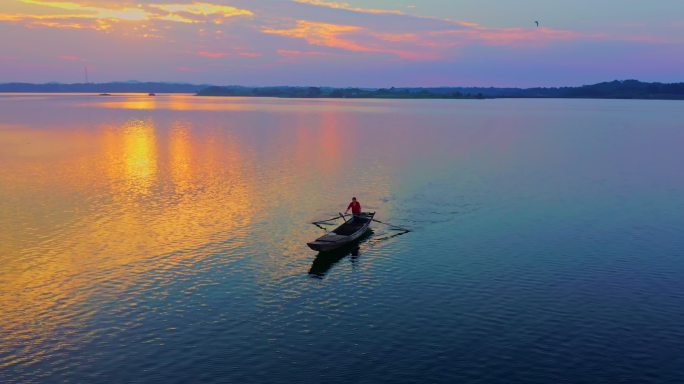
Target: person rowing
[(355, 207)]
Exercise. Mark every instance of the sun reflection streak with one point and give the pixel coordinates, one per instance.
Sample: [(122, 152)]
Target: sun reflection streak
[(144, 198), (154, 194), (139, 155), (135, 102), (180, 156)]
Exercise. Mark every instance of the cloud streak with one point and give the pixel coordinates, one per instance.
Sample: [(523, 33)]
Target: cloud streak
[(78, 15), (229, 38), (348, 7), (422, 45)]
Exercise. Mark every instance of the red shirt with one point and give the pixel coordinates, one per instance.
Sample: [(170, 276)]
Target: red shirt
[(355, 207)]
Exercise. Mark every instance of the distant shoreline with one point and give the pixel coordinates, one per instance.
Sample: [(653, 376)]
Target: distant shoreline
[(625, 89)]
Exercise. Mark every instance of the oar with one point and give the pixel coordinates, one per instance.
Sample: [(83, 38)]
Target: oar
[(327, 221), (342, 216), (392, 225)]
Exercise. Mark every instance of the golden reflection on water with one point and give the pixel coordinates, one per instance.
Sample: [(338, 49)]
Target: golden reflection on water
[(133, 155), (187, 102), (180, 156), (139, 103), (126, 201), (102, 209)]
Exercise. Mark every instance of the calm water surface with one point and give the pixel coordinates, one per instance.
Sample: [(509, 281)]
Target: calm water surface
[(162, 239)]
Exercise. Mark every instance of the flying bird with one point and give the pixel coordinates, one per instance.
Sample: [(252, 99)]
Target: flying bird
[(536, 22)]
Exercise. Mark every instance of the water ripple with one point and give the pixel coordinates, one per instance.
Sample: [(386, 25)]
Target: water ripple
[(167, 243)]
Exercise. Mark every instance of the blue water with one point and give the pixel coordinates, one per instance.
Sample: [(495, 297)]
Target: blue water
[(164, 240)]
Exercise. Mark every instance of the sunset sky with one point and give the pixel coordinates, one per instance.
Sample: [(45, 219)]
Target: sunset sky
[(351, 43)]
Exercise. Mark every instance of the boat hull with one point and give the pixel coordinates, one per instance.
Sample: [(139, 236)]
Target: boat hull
[(326, 246), (343, 235)]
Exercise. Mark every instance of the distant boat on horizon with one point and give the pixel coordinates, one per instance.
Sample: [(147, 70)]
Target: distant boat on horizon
[(105, 94), (151, 94)]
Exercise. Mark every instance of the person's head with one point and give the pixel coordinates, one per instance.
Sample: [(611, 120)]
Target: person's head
[(353, 198)]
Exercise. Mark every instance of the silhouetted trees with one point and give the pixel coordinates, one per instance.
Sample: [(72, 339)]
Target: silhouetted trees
[(624, 89), (346, 93)]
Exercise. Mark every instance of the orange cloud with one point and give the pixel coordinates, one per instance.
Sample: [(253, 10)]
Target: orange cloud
[(57, 24), (9, 17), (203, 9), (468, 24), (392, 34), (323, 34), (355, 39), (77, 15), (348, 7), (83, 11), (198, 12), (420, 45)]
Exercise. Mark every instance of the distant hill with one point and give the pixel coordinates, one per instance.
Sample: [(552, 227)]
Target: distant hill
[(131, 86), (347, 93), (618, 89), (626, 89)]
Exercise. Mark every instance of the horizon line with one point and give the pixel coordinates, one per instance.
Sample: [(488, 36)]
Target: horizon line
[(132, 82)]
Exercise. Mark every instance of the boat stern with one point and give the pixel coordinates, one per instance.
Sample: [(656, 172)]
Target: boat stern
[(321, 246)]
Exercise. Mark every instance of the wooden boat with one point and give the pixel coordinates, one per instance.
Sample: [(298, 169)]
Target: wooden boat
[(344, 234)]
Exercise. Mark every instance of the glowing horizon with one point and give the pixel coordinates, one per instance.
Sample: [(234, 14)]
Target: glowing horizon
[(331, 43)]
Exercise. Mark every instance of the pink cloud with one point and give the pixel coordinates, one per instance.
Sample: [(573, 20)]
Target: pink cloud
[(328, 34), (293, 55), (290, 52), (218, 55), (348, 38), (249, 54), (88, 14), (70, 58), (212, 55), (423, 45)]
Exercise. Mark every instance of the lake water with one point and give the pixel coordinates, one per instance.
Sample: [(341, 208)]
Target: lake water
[(163, 239)]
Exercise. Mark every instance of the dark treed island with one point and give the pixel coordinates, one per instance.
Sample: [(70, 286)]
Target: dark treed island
[(341, 93), (116, 87), (627, 89), (618, 89)]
